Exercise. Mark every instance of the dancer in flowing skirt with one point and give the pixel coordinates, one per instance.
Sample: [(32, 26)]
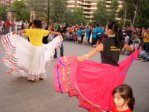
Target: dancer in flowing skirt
[(29, 59), (92, 82)]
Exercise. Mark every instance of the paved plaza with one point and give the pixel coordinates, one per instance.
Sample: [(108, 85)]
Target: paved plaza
[(19, 95)]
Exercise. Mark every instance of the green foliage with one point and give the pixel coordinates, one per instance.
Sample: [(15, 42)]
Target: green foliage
[(68, 17), (142, 19), (113, 9), (25, 13), (102, 15), (78, 16), (3, 12), (75, 17), (21, 11), (130, 11), (39, 6), (121, 13), (57, 8)]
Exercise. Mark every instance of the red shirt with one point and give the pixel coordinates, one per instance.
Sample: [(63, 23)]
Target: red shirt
[(8, 24), (115, 110)]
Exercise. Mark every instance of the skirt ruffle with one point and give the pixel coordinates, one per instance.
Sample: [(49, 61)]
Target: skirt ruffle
[(91, 82), (23, 59)]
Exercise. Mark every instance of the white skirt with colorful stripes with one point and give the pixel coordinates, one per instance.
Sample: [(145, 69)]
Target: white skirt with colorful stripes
[(23, 59)]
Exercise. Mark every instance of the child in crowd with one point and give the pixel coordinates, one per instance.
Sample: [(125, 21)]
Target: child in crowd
[(79, 34), (123, 99)]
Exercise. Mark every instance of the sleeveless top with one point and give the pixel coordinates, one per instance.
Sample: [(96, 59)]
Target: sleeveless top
[(110, 53)]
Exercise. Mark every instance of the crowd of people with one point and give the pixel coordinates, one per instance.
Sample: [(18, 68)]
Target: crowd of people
[(138, 38), (9, 26), (87, 34)]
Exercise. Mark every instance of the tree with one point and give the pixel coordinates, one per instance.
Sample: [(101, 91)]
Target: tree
[(124, 13), (103, 14), (21, 11), (135, 5), (68, 17), (130, 11), (100, 15), (142, 20), (57, 8), (40, 7), (113, 10), (78, 16), (135, 12), (3, 12)]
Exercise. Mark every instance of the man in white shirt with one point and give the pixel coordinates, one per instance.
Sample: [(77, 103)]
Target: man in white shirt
[(19, 24)]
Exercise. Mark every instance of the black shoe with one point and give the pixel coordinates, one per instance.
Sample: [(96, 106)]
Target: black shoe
[(40, 78), (31, 80), (145, 60)]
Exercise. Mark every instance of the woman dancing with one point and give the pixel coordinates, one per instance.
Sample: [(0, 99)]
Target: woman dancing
[(29, 59), (91, 82)]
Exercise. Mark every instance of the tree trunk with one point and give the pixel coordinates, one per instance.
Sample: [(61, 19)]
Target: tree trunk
[(135, 13)]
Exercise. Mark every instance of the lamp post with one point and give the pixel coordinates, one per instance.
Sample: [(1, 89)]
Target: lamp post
[(49, 10)]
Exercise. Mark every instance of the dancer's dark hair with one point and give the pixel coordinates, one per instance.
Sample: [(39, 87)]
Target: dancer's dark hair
[(113, 25), (37, 23)]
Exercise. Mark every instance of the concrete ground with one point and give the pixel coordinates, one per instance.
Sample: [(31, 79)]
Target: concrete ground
[(19, 95)]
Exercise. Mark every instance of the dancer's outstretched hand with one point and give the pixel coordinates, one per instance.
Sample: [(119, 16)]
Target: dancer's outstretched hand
[(81, 58), (129, 48), (14, 32), (59, 34)]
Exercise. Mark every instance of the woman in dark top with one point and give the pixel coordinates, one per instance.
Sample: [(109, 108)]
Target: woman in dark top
[(93, 82), (109, 48)]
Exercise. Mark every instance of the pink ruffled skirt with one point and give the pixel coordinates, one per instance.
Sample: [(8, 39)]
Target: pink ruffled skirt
[(91, 82)]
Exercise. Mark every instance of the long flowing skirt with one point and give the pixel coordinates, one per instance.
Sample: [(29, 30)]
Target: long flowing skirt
[(91, 82), (23, 59)]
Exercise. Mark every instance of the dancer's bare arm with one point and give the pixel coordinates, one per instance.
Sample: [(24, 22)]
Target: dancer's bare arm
[(127, 47), (91, 53), (55, 33), (19, 32)]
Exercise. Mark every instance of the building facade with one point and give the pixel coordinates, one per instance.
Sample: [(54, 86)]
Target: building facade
[(89, 6), (108, 5), (6, 2)]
